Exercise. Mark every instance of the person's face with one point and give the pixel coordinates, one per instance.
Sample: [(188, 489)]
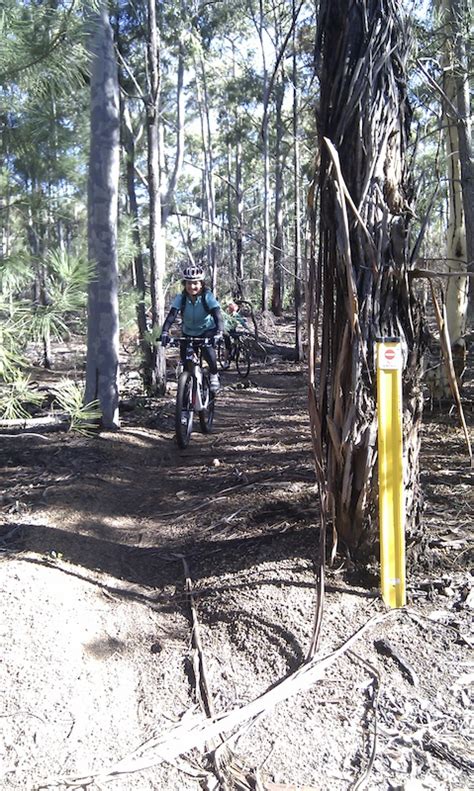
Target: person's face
[(193, 287)]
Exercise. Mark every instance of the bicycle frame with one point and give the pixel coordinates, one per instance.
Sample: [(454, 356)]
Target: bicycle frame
[(193, 365)]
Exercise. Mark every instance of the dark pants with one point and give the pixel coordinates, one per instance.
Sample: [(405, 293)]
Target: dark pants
[(208, 352)]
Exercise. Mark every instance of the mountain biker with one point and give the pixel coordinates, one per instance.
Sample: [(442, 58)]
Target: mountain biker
[(201, 316), (232, 321)]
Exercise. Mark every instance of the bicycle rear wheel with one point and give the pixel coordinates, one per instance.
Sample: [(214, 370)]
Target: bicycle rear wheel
[(184, 409), (242, 360), (223, 356), (206, 415)]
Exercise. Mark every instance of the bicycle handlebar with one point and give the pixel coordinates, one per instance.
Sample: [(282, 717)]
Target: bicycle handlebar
[(194, 340)]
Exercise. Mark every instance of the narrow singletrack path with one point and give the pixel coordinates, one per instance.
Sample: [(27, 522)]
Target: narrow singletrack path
[(98, 651)]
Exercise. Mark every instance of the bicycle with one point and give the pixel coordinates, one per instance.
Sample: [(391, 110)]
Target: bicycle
[(239, 353), (194, 392)]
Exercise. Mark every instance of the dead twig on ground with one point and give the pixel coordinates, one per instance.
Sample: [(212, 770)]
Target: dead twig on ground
[(372, 709), (203, 693), (388, 649), (224, 492), (442, 750)]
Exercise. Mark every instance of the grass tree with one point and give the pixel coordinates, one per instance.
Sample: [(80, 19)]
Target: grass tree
[(359, 286)]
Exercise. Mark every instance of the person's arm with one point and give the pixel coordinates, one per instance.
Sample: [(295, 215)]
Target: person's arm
[(216, 314), (170, 319), (215, 311)]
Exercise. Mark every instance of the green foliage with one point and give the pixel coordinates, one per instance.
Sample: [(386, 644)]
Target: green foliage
[(70, 399), (65, 280), (153, 336), (128, 302), (16, 274), (15, 396), (127, 248), (41, 46), (11, 345)]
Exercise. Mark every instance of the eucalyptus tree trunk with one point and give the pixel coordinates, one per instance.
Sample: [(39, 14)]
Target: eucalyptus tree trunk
[(156, 241), (359, 288), (239, 241), (102, 368), (230, 209), (456, 128), (456, 257), (297, 207), (277, 293), (266, 278), (209, 199), (238, 192), (169, 195), (460, 30), (128, 138)]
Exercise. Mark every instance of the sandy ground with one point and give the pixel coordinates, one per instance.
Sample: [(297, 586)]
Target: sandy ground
[(145, 588)]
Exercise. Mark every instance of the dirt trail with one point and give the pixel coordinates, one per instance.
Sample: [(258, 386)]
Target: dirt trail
[(97, 627)]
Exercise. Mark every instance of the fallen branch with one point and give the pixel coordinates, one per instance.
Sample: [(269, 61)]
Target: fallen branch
[(48, 423), (194, 730), (441, 750), (226, 765), (203, 693), (373, 707), (426, 273)]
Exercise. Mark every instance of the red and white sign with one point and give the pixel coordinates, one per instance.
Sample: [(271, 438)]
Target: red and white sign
[(390, 357)]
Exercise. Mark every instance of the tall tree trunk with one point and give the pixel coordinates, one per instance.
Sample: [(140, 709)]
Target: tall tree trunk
[(230, 201), (208, 171), (456, 294), (266, 278), (461, 26), (169, 197), (296, 208), (360, 288), (460, 180), (157, 257), (238, 194), (277, 293), (128, 137), (239, 242), (102, 369)]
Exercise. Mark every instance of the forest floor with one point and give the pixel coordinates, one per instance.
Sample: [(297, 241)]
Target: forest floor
[(144, 587)]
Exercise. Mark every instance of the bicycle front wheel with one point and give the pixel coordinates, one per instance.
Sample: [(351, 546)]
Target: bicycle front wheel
[(242, 360), (184, 409), (206, 415)]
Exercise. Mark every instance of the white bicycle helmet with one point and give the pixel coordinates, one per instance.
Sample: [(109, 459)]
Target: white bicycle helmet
[(193, 273)]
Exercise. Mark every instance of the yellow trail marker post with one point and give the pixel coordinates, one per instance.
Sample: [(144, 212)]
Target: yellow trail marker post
[(390, 451)]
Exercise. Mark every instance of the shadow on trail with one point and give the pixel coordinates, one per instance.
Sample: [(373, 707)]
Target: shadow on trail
[(158, 568), (155, 567)]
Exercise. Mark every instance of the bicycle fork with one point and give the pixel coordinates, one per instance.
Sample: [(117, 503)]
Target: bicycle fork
[(200, 400)]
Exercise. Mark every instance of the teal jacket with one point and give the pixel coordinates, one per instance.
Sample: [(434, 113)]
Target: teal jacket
[(198, 317)]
